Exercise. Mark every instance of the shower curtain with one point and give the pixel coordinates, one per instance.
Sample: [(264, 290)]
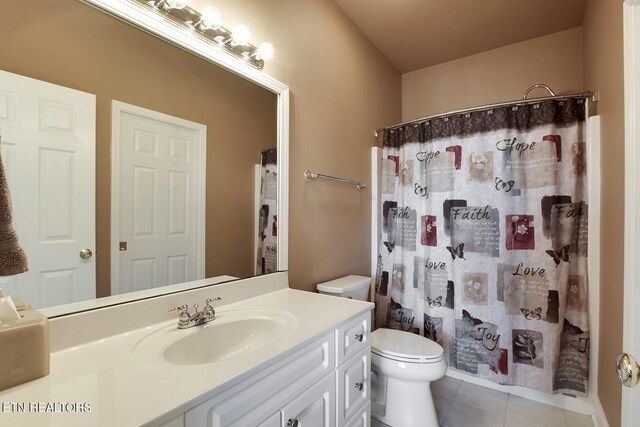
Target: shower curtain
[(483, 245), (267, 261)]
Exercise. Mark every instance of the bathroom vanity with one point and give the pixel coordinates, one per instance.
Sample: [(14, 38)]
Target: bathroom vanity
[(273, 356)]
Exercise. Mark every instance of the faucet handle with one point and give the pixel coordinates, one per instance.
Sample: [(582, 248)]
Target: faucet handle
[(183, 309), (209, 300), (184, 317), (208, 309)]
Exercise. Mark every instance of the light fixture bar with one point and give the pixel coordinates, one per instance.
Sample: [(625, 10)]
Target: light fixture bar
[(191, 20)]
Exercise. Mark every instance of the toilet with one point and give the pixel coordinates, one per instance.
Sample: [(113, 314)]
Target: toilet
[(403, 365)]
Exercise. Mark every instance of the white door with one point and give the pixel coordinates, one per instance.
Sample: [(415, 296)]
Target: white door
[(627, 366), (48, 150), (159, 171)]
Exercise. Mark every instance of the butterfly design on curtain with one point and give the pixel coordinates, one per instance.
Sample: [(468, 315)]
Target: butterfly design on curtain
[(469, 319), (562, 255), (419, 190), (535, 314), (390, 246), (434, 303), (580, 344), (458, 251), (505, 186)]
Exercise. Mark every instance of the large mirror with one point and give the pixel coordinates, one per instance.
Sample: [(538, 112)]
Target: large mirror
[(134, 164)]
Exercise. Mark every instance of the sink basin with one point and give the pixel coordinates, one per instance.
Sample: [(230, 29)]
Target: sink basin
[(232, 334)]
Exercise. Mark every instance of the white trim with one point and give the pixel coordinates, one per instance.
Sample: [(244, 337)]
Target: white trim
[(376, 164), (283, 180), (593, 262), (257, 184), (154, 24), (632, 174), (117, 109), (598, 416)]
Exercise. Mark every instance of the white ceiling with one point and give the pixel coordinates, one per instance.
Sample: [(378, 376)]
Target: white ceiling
[(415, 34)]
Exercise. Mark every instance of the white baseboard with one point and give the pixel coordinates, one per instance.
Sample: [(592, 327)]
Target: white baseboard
[(583, 405), (599, 418)]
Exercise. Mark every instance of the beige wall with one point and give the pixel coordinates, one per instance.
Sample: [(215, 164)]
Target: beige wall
[(496, 76), (71, 44), (604, 72), (341, 90)]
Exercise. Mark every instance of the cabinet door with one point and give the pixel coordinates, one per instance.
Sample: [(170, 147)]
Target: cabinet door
[(316, 407), (363, 417), (353, 385), (258, 397)]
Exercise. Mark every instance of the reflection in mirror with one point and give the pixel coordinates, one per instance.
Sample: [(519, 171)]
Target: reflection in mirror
[(267, 261), (132, 164)]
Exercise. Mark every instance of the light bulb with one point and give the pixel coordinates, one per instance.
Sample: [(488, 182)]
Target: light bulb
[(240, 35), (176, 4), (211, 18), (265, 51)]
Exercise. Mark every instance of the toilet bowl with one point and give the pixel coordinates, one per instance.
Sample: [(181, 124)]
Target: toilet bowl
[(403, 365)]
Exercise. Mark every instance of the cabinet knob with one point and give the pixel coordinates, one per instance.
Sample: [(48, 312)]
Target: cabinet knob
[(359, 386), (359, 337), (292, 423)]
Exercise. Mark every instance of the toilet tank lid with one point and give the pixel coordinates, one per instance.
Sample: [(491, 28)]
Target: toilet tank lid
[(345, 284)]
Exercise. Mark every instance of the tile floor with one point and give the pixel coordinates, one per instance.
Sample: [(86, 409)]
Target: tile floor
[(462, 404)]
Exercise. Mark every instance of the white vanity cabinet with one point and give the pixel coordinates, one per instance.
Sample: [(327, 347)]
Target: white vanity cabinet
[(324, 383)]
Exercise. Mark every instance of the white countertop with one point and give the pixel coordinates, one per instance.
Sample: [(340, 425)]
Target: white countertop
[(125, 389)]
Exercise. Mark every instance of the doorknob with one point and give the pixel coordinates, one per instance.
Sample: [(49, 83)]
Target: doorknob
[(86, 253), (628, 370)]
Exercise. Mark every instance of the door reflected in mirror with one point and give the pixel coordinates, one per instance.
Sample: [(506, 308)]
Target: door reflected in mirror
[(117, 144)]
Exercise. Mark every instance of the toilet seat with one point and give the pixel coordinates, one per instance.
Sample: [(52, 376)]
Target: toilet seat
[(405, 346)]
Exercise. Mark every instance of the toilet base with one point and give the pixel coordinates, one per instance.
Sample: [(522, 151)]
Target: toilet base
[(407, 404)]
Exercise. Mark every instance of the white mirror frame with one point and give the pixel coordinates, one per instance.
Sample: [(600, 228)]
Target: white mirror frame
[(163, 28), (156, 25)]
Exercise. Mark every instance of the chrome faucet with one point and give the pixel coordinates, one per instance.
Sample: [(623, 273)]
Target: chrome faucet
[(187, 320)]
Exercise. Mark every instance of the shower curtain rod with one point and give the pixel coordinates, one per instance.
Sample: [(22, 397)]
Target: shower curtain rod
[(593, 96)]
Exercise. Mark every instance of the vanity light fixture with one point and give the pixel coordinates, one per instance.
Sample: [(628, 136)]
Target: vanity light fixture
[(240, 35), (170, 4), (211, 19), (208, 25)]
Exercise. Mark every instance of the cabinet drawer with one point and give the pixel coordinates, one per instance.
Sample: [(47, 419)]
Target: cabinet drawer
[(354, 385), (255, 399), (362, 417), (272, 421), (353, 337), (315, 407)]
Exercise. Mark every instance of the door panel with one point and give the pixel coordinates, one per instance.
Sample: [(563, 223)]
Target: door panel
[(158, 175), (48, 150)]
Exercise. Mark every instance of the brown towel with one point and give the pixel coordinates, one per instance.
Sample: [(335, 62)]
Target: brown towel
[(13, 260)]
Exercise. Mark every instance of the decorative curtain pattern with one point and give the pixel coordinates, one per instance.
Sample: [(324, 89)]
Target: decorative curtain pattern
[(267, 261), (483, 245)]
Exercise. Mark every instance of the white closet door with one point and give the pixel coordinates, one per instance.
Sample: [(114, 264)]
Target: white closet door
[(159, 176), (48, 149)]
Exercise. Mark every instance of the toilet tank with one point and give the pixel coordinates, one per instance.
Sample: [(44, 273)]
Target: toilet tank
[(353, 287)]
